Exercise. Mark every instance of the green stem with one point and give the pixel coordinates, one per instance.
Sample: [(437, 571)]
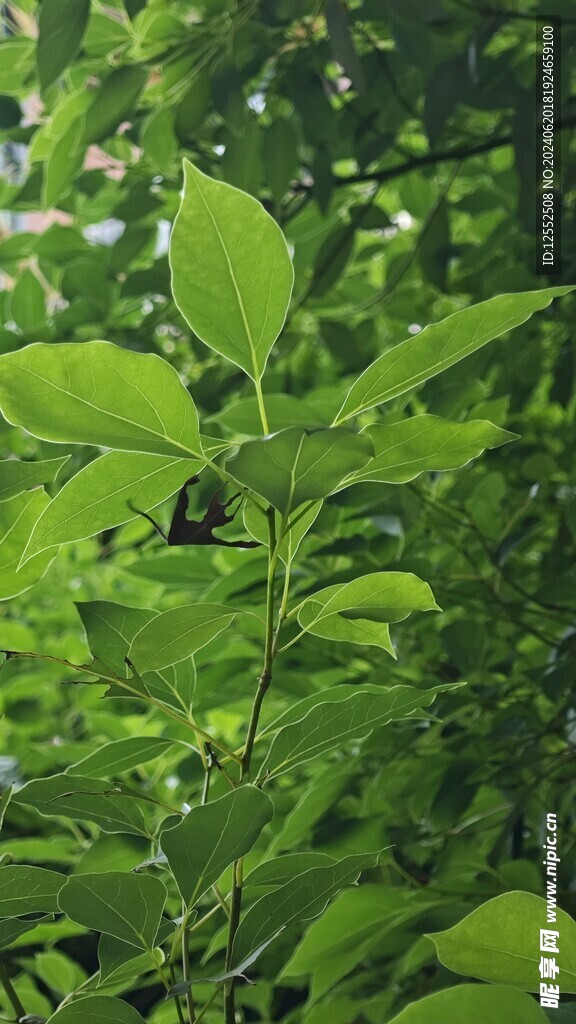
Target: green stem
[(186, 975), (261, 407), (264, 681), (10, 992)]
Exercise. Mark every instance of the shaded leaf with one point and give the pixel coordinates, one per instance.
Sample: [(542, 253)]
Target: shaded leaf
[(212, 836), (95, 1010), (84, 799), (18, 516), (16, 476), (175, 634), (61, 28), (474, 1004), (28, 890), (121, 756), (121, 904)]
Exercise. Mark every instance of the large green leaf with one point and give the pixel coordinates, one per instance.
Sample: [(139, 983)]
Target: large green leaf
[(231, 272), (441, 345), (16, 476), (427, 444), (97, 1010), (473, 1004), (177, 633), (126, 905), (302, 898), (361, 610), (351, 712), (294, 466), (84, 799), (499, 942), (99, 394), (18, 516), (100, 495), (212, 836), (61, 27), (28, 890)]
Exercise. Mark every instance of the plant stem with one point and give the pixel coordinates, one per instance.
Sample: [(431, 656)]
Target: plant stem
[(186, 975), (264, 681), (261, 407), (10, 992)]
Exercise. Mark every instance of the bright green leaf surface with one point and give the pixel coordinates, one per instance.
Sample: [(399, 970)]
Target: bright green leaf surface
[(99, 394), (292, 467), (27, 890), (499, 942), (231, 272), (177, 633), (302, 898), (347, 716), (99, 496), (211, 837), (84, 799), (360, 611), (97, 1010), (441, 345), (473, 1004), (18, 516), (128, 906), (61, 27), (427, 444), (16, 476)]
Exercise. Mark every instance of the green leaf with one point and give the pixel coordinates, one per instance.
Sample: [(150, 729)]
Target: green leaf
[(61, 28), (302, 898), (292, 467), (159, 140), (63, 164), (281, 869), (114, 102), (121, 756), (473, 1004), (441, 345), (175, 634), (212, 836), (16, 477), (127, 906), (499, 942), (84, 799), (231, 273), (28, 890), (18, 516), (96, 1010), (236, 972), (349, 713), (97, 393), (360, 611), (100, 495), (114, 954), (11, 930), (257, 526), (280, 153), (28, 302), (110, 629), (425, 444)]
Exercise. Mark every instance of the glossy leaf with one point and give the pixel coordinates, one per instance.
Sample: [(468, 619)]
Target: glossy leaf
[(231, 272), (425, 444), (16, 476), (99, 394), (361, 610), (18, 516), (441, 345), (96, 1010), (84, 799), (292, 467), (177, 633), (125, 905), (61, 27), (351, 713), (100, 495), (211, 837), (499, 942), (28, 890), (302, 898), (474, 1004)]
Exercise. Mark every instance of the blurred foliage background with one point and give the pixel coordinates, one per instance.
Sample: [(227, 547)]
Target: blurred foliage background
[(393, 140)]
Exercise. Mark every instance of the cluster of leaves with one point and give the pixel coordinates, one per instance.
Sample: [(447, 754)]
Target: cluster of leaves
[(135, 826)]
